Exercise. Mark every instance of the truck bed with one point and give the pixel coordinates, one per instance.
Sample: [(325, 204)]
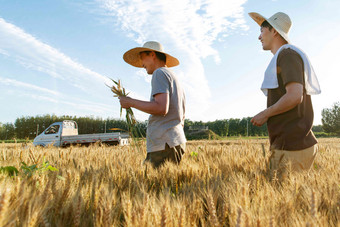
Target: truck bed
[(110, 138)]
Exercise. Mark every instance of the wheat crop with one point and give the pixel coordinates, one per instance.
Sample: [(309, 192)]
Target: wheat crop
[(224, 184)]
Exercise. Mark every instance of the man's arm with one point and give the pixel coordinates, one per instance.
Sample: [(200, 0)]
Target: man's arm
[(159, 106), (293, 97)]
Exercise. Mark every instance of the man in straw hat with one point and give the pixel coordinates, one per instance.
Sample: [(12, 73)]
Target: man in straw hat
[(165, 134), (288, 83)]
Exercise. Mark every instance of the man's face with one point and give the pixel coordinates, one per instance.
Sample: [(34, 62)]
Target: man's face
[(266, 37), (148, 61)]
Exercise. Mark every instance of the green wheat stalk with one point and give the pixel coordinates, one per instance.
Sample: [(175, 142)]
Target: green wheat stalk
[(131, 121)]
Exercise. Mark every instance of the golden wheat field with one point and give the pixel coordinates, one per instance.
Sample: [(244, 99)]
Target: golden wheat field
[(218, 183)]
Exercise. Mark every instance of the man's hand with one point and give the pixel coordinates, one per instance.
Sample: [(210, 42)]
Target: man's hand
[(159, 106), (259, 119), (292, 98), (125, 102)]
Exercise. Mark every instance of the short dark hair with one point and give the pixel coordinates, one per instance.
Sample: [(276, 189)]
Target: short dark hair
[(159, 55), (265, 24)]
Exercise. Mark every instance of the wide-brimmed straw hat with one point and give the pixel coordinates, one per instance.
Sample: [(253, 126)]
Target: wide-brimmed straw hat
[(132, 56), (280, 21)]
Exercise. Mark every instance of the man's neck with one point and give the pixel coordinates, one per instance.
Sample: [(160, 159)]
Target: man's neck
[(276, 45), (159, 64)]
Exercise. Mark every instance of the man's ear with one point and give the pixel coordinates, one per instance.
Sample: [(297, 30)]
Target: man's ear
[(275, 32)]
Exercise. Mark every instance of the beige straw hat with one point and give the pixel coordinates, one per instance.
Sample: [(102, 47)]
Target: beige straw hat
[(132, 56), (280, 21)]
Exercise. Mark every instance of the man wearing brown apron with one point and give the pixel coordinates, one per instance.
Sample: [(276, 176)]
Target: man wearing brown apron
[(288, 83)]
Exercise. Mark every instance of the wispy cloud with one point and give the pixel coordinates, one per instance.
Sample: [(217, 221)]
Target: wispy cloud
[(19, 84), (72, 107), (142, 74), (188, 29), (326, 65), (33, 54), (51, 96)]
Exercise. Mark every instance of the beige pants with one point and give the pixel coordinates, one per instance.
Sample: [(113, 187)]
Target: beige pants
[(280, 161)]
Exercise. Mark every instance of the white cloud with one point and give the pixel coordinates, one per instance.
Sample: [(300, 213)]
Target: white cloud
[(187, 29), (33, 54), (17, 45), (142, 74), (52, 96), (326, 65), (11, 82)]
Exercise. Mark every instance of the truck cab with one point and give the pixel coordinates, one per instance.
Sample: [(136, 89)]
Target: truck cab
[(52, 135)]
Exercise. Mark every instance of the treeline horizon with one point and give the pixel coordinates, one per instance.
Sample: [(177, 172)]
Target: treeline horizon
[(28, 127)]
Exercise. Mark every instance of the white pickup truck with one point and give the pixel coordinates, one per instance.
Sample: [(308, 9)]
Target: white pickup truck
[(65, 133)]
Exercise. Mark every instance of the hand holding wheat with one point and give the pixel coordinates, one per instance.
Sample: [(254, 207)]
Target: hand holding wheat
[(119, 91)]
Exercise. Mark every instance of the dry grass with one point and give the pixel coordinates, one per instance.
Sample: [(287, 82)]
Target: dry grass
[(225, 184)]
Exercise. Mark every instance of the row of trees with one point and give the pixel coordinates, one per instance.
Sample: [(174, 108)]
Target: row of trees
[(29, 127), (230, 127)]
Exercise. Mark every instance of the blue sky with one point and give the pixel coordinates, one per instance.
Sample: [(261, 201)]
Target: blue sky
[(56, 56)]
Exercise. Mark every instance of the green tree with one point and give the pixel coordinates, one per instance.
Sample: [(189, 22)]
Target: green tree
[(331, 119), (187, 124), (220, 127), (7, 131), (234, 128), (317, 128)]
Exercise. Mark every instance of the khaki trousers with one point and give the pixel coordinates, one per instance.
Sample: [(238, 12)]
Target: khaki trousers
[(280, 160)]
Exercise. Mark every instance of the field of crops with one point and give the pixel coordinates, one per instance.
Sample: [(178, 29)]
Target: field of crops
[(218, 183)]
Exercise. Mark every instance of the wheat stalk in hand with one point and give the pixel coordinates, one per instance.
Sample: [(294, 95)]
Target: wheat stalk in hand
[(118, 90)]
